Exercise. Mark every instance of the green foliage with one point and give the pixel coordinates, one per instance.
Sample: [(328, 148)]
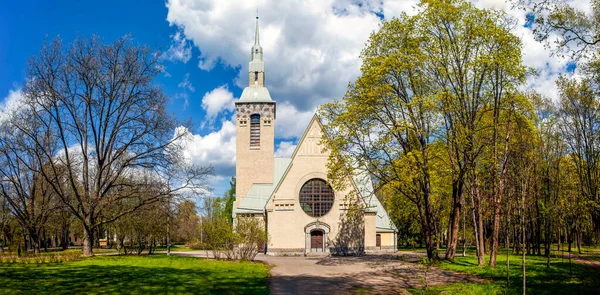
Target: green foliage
[(419, 115), (187, 222), (239, 240), (156, 274), (230, 198)]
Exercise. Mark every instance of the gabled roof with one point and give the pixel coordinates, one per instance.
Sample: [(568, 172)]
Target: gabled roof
[(361, 181), (365, 188)]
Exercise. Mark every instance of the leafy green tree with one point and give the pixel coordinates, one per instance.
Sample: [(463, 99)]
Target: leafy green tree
[(431, 76), (187, 222), (230, 198)]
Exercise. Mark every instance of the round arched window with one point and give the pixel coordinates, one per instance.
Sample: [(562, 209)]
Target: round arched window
[(316, 197)]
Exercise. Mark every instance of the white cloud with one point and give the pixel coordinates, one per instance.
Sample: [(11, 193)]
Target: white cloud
[(216, 148), (179, 50), (217, 100), (291, 123), (311, 52), (12, 103), (186, 84), (394, 8), (285, 149), (311, 49)]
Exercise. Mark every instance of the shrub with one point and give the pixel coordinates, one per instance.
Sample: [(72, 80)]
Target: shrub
[(52, 257), (195, 245)]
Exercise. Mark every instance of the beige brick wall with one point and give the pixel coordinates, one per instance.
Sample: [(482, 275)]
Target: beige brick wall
[(286, 223), (253, 165), (370, 234), (387, 239)]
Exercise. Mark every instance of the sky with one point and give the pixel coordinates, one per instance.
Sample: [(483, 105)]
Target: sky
[(311, 50)]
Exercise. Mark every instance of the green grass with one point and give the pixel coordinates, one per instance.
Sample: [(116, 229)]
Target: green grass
[(561, 277), (135, 274), (179, 248)]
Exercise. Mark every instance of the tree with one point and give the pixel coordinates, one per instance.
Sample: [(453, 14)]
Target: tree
[(115, 138), (142, 229), (230, 198), (580, 110), (475, 65), (384, 124), (187, 222), (220, 236), (433, 77), (28, 194), (572, 30)]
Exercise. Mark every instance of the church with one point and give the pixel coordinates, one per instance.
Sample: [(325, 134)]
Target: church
[(292, 196)]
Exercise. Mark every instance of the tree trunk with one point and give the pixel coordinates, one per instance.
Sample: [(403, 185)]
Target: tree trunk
[(88, 241), (428, 232), (464, 236), (498, 191), (45, 241), (578, 238), (559, 237), (453, 226), (34, 241), (569, 238), (479, 239)]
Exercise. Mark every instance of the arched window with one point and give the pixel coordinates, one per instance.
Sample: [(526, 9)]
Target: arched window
[(255, 130), (316, 197), (256, 77)]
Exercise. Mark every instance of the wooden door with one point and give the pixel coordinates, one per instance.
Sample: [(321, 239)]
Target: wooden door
[(316, 241), (378, 240)]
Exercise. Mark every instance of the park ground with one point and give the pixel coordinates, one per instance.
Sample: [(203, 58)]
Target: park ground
[(189, 271)]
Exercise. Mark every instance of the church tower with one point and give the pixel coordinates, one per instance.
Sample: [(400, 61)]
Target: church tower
[(255, 128)]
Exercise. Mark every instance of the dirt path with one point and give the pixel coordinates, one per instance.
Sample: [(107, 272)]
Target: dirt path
[(372, 274), (583, 259)]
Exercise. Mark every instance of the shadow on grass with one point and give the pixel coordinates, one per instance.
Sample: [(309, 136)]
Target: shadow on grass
[(561, 277), (145, 275)]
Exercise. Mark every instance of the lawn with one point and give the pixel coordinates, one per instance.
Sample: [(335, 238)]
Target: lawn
[(561, 277), (175, 248), (135, 274)]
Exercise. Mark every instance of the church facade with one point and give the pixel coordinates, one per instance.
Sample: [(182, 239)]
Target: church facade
[(301, 211)]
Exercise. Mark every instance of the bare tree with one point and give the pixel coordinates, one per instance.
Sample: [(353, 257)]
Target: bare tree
[(23, 188), (99, 103)]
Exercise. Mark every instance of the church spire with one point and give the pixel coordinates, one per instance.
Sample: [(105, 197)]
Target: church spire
[(256, 66), (257, 51), (256, 33)]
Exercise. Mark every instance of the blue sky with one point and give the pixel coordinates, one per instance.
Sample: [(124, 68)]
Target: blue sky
[(311, 51)]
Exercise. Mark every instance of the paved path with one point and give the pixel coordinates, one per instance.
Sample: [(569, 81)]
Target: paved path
[(372, 274)]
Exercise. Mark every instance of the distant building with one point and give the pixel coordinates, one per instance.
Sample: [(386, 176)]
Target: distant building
[(293, 196)]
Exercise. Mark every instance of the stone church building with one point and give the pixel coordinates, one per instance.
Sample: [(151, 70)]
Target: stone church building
[(293, 197)]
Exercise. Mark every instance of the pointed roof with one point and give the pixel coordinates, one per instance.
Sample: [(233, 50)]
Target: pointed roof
[(256, 33), (256, 53), (361, 183), (256, 93)]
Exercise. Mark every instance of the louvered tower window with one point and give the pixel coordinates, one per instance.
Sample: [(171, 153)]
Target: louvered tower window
[(255, 131)]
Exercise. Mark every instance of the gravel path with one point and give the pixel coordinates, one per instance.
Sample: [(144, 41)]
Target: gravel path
[(372, 274)]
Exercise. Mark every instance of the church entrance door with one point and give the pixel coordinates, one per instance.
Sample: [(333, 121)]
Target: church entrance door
[(316, 241)]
